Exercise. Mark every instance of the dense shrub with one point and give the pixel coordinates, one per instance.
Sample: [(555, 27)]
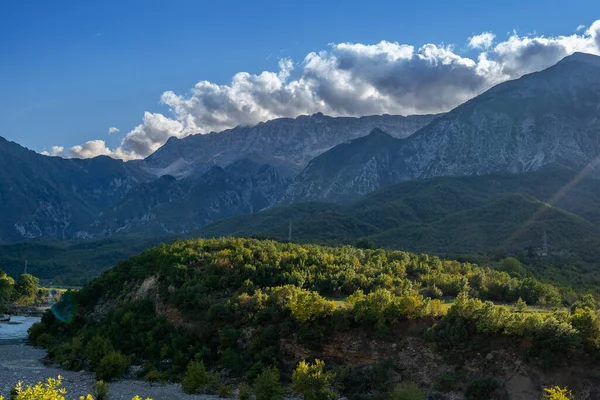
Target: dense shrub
[(244, 392), (267, 385), (111, 366), (312, 381), (196, 378), (96, 349)]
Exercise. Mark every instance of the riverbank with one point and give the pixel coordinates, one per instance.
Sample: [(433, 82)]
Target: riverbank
[(21, 362)]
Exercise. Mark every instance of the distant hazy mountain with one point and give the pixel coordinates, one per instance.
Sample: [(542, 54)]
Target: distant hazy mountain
[(548, 118), (56, 197), (289, 142), (170, 206), (241, 170)]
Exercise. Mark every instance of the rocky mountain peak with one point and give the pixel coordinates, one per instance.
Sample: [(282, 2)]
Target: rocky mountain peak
[(580, 57)]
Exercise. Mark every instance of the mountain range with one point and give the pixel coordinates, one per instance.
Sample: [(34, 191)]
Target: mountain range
[(547, 121), (547, 118), (195, 180)]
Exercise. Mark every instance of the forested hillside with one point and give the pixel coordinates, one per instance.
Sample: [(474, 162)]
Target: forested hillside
[(216, 313)]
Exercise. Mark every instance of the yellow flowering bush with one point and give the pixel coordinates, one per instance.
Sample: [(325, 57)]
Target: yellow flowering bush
[(50, 390), (557, 393)]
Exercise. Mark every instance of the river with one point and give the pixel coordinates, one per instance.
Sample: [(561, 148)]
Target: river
[(21, 362), (15, 331)]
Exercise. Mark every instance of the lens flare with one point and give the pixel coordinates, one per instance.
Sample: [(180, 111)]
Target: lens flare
[(557, 196), (66, 309)]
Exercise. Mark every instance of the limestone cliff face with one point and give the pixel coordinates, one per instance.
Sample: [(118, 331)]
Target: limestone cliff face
[(549, 118), (285, 141)]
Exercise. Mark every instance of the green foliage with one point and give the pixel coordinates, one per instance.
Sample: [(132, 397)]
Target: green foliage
[(27, 285), (305, 306), (100, 390), (520, 305), (382, 308), (360, 382), (244, 392), (224, 391), (155, 376), (312, 381), (111, 366), (407, 391), (196, 378), (481, 389), (237, 304), (96, 349), (511, 266), (267, 385)]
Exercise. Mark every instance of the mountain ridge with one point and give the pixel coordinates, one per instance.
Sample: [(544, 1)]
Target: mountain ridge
[(547, 118)]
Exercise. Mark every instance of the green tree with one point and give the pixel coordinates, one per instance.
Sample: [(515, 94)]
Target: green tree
[(267, 385), (311, 381), (196, 378), (96, 349), (520, 305), (111, 366), (511, 266), (27, 285), (6, 291)]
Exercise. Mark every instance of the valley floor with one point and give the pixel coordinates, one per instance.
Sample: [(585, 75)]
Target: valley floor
[(23, 363)]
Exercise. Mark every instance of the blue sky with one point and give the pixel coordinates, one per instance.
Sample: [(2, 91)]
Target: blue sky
[(69, 70)]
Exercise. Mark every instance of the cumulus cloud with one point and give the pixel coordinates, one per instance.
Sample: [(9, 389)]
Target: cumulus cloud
[(112, 130), (482, 41), (349, 79), (55, 151)]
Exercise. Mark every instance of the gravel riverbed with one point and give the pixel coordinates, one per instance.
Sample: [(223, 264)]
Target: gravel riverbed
[(19, 362)]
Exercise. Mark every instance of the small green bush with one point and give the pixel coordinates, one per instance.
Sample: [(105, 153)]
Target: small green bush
[(35, 331), (407, 391), (100, 390), (244, 392), (312, 381), (44, 340), (154, 376), (96, 349), (196, 378), (111, 366), (267, 385), (225, 391)]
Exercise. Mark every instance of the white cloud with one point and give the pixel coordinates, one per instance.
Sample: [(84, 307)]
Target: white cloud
[(112, 130), (349, 79), (482, 41), (580, 28), (55, 151)]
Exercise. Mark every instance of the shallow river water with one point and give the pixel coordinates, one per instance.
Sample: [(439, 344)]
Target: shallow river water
[(15, 331)]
